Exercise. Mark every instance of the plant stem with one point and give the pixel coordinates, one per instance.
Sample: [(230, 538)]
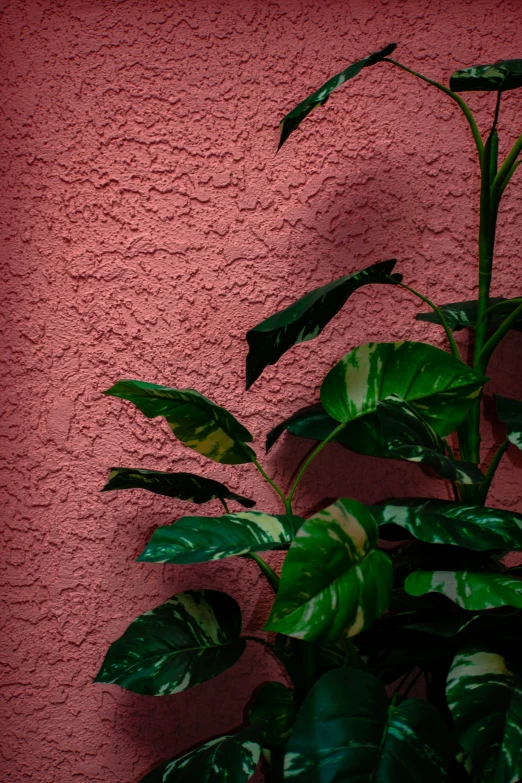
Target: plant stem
[(497, 110), (449, 334), (224, 504), (487, 350), (501, 305), (270, 575), (312, 456), (412, 683), (259, 641), (454, 96), (506, 170), (492, 469), (287, 501)]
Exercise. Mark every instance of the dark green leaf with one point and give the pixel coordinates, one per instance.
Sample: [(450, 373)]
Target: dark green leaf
[(292, 120), (201, 539), (191, 638), (485, 699), (474, 591), (334, 581), (307, 317), (185, 486), (440, 387), (463, 315), (196, 421), (273, 702), (510, 413), (442, 522), (502, 75), (346, 730)]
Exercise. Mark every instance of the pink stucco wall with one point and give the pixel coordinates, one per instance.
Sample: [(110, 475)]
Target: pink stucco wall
[(147, 224)]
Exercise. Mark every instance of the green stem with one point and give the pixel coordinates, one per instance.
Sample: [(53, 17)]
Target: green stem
[(312, 456), (492, 469), (270, 575), (487, 350), (501, 305), (454, 96), (506, 170), (259, 641), (449, 334), (224, 504), (286, 501)]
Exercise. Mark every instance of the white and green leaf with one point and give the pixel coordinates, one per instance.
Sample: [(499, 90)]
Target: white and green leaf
[(437, 385), (463, 315), (201, 539), (195, 420), (471, 590), (510, 413), (189, 639), (334, 581), (485, 699), (502, 75)]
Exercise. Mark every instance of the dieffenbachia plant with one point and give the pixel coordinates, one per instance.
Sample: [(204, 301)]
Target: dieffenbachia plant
[(368, 597)]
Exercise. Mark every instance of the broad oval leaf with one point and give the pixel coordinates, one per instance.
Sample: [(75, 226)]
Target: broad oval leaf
[(294, 118), (307, 317), (485, 699), (334, 581), (184, 486), (201, 539), (436, 384), (510, 413), (442, 522), (502, 75), (195, 420), (471, 590), (347, 730), (463, 315), (273, 702), (232, 758), (189, 639)]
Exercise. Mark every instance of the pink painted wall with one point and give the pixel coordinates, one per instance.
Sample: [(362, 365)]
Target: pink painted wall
[(147, 224)]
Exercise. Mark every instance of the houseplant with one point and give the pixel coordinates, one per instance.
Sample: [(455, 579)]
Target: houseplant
[(368, 595)]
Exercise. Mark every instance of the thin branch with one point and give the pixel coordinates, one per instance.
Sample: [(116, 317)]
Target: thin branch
[(269, 573), (286, 501), (312, 456), (492, 469), (449, 334), (487, 351)]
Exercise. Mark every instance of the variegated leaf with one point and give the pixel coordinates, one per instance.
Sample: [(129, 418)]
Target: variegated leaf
[(510, 413), (440, 387), (334, 581), (485, 699), (185, 486), (463, 315), (347, 730), (307, 317), (294, 118), (195, 420), (273, 702), (502, 75), (471, 590), (200, 539), (189, 639), (229, 759), (443, 522)]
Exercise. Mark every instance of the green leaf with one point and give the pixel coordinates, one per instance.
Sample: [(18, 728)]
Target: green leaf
[(442, 522), (273, 702), (334, 581), (189, 639), (440, 387), (185, 486), (346, 730), (502, 75), (196, 421), (201, 539), (471, 590), (485, 699), (232, 758), (306, 318), (463, 315), (510, 413), (294, 118)]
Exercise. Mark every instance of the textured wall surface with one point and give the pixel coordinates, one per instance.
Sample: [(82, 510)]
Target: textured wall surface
[(147, 224)]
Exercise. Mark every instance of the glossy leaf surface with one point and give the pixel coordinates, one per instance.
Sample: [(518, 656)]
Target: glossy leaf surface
[(440, 522), (463, 315), (510, 413), (440, 387), (274, 703), (189, 639), (306, 318), (346, 731), (200, 539), (185, 486), (485, 699), (471, 590), (334, 581), (195, 420), (502, 75)]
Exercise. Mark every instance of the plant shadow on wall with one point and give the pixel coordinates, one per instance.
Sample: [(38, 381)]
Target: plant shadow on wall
[(406, 589)]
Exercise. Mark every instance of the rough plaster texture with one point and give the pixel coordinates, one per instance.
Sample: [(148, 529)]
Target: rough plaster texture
[(147, 224)]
